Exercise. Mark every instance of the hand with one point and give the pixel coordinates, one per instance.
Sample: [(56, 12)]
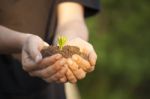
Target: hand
[(50, 68), (77, 66), (87, 49), (31, 52), (72, 27), (74, 72)]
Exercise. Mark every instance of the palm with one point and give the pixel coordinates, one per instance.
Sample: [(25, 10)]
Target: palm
[(84, 46)]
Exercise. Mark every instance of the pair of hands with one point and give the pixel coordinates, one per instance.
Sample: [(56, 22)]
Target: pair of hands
[(56, 68)]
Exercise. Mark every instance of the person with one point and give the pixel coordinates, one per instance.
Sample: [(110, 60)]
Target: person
[(26, 27)]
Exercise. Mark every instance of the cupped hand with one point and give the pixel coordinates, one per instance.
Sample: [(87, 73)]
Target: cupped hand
[(87, 49), (50, 68), (31, 52), (78, 66)]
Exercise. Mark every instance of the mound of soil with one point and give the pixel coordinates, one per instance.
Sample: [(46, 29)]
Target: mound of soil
[(66, 52)]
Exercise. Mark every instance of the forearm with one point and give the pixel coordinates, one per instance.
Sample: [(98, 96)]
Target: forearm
[(73, 29), (71, 21), (11, 41)]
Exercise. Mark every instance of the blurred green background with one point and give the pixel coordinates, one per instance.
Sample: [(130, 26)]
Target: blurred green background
[(121, 36)]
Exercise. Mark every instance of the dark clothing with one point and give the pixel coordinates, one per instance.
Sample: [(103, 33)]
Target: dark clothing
[(36, 17), (52, 91)]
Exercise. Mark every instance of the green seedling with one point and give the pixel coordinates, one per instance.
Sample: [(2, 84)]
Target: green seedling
[(61, 41)]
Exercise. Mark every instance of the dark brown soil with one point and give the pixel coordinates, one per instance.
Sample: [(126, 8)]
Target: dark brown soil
[(66, 52)]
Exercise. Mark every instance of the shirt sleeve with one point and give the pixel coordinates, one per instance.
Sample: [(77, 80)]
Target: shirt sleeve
[(91, 7)]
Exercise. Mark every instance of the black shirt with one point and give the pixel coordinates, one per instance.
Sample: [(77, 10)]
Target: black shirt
[(34, 16)]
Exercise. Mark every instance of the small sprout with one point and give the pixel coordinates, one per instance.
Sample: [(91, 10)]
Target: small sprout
[(61, 41)]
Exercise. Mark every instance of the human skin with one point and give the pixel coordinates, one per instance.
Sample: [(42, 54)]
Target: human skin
[(55, 68), (29, 46), (71, 24)]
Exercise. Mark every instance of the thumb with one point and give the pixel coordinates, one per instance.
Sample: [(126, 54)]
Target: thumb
[(35, 55), (38, 57), (46, 44), (34, 52), (38, 53)]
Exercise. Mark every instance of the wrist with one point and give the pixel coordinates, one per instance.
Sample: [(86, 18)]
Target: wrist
[(22, 39), (72, 30)]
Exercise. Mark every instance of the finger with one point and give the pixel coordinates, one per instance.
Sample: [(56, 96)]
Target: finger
[(84, 46), (79, 73), (50, 70), (27, 63), (84, 64), (34, 50), (63, 79), (72, 65), (71, 78), (92, 68), (49, 60), (92, 58), (60, 74), (36, 55), (49, 80), (46, 44)]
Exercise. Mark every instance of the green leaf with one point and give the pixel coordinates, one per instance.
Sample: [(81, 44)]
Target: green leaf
[(61, 41)]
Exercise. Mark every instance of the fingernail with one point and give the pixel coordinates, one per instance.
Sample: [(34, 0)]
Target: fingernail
[(38, 58)]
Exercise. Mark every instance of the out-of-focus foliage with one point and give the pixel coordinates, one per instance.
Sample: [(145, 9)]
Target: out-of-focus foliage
[(121, 36)]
